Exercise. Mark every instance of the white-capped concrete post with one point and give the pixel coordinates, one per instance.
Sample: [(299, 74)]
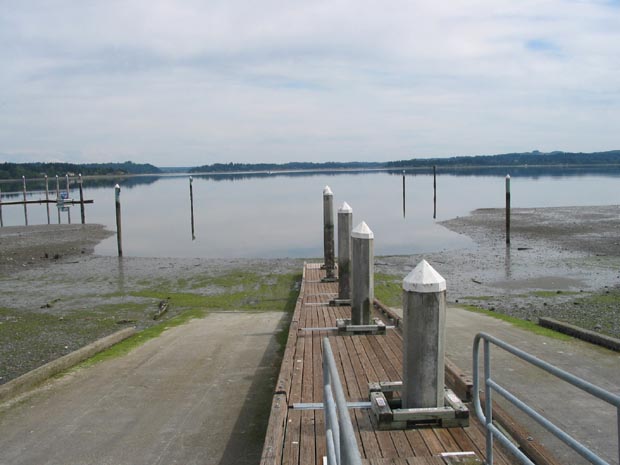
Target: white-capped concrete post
[(362, 274), (328, 232), (424, 315), (345, 224)]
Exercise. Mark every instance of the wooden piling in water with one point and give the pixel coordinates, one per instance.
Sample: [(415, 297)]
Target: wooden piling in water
[(68, 209), (25, 207), (117, 199), (58, 197), (191, 204), (81, 199), (434, 192), (403, 193), (47, 198), (508, 209)]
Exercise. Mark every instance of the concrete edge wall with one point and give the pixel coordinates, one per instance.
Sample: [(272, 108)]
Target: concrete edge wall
[(35, 377), (581, 333)]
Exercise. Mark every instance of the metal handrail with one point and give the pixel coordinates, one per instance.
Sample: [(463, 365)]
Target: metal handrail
[(486, 417), (341, 443)]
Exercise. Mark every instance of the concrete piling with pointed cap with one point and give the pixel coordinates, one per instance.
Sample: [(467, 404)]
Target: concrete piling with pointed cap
[(424, 317), (328, 232), (345, 224), (362, 274)]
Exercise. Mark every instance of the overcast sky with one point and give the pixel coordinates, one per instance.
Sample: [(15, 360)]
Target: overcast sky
[(179, 83)]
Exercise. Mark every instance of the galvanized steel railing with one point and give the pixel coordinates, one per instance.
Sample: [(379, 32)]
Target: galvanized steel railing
[(341, 443), (486, 417)]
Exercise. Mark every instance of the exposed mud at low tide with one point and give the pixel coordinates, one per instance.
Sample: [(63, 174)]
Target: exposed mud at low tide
[(562, 262), (55, 296)]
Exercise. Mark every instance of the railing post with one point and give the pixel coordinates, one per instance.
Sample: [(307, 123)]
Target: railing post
[(1, 221), (349, 450), (362, 274), (328, 231), (345, 224), (488, 402), (424, 319)]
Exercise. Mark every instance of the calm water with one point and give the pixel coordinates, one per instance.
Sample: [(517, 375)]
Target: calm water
[(281, 216)]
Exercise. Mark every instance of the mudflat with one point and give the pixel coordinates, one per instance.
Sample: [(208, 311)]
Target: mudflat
[(57, 296)]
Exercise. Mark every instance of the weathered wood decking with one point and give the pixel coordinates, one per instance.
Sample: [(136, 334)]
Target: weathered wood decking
[(298, 436)]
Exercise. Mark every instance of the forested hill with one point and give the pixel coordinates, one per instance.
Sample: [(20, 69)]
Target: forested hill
[(292, 166), (507, 159), (38, 170), (515, 159)]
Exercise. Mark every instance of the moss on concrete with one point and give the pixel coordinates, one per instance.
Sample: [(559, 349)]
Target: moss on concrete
[(523, 324)]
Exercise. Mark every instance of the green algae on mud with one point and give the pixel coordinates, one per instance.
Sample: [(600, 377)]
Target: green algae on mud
[(141, 337), (519, 323), (67, 322)]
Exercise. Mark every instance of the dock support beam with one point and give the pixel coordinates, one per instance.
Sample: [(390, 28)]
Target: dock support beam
[(424, 334), (328, 233)]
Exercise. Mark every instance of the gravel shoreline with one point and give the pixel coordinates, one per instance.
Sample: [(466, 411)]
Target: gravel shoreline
[(563, 263)]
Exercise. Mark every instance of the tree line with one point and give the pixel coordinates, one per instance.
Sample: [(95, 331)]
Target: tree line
[(535, 158), (38, 170)]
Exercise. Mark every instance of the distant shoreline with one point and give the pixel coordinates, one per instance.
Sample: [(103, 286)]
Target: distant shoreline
[(416, 169), (12, 172)]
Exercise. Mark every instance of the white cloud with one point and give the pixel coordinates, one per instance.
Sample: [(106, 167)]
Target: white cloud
[(191, 82)]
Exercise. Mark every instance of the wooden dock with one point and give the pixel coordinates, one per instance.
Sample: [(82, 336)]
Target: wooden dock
[(297, 436)]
